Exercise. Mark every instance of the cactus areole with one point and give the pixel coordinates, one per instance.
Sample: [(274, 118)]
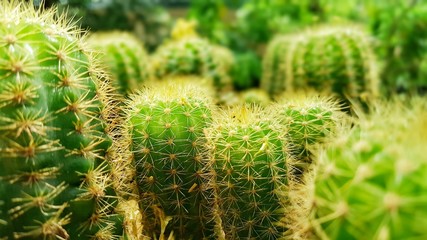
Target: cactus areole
[(54, 180)]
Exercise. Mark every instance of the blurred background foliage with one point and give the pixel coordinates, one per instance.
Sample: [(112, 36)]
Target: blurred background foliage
[(398, 27)]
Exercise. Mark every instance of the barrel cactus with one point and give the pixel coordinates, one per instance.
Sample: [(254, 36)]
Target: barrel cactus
[(54, 142), (309, 121), (370, 183), (333, 59), (166, 124), (124, 57), (248, 165), (188, 54)]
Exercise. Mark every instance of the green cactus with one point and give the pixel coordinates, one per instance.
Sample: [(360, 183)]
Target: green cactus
[(308, 120), (124, 57), (54, 143), (166, 123), (188, 54), (255, 96), (370, 184), (249, 163), (330, 59)]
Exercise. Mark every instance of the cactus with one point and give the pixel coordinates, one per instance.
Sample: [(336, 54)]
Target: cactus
[(124, 57), (188, 54), (249, 165), (370, 183), (54, 140), (308, 120), (333, 59), (255, 96), (166, 124)]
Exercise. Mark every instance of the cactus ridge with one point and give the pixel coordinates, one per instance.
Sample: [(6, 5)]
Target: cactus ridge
[(334, 59), (54, 174), (249, 166), (166, 124)]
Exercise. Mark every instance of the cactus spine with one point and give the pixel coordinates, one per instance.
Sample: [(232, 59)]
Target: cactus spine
[(54, 175), (333, 59), (370, 184), (188, 54), (166, 124), (249, 166), (124, 57)]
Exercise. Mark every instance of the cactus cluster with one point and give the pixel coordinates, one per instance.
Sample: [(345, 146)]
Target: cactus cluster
[(167, 125), (188, 54), (54, 142), (333, 59), (124, 58), (370, 183), (248, 166)]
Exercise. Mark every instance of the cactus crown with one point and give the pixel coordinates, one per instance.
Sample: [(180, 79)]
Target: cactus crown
[(309, 120)]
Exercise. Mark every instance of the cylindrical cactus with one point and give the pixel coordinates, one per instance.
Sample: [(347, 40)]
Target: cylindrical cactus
[(248, 165), (166, 124), (54, 143), (308, 121), (337, 60), (188, 54), (370, 183), (124, 57)]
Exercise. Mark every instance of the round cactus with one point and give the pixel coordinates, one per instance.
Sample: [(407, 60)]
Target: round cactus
[(124, 57), (188, 54), (54, 142), (308, 121), (370, 183), (166, 124), (332, 59), (248, 164)]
